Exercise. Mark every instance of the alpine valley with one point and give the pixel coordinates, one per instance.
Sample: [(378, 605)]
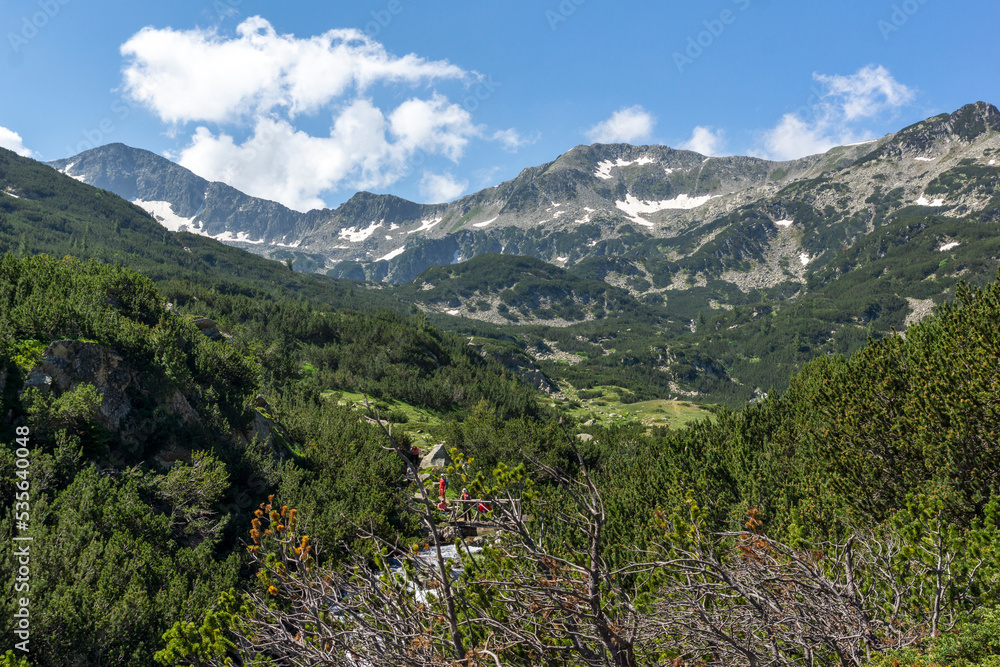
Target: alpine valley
[(658, 270), (667, 386)]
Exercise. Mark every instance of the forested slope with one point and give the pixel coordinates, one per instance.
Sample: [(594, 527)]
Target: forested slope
[(851, 520), (151, 443)]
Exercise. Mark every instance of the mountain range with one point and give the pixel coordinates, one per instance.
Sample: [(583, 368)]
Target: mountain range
[(747, 221), (633, 266)]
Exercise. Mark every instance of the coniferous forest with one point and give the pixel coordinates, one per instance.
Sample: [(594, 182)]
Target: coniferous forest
[(212, 453)]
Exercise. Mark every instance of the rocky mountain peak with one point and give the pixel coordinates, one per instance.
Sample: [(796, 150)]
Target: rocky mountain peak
[(380, 207), (594, 201)]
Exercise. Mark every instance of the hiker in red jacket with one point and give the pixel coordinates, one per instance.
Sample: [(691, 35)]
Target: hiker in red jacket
[(442, 486)]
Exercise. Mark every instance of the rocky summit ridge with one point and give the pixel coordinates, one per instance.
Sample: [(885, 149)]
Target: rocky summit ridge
[(668, 218)]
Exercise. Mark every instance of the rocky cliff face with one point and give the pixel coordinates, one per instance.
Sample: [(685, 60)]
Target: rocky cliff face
[(70, 363), (183, 201), (67, 364)]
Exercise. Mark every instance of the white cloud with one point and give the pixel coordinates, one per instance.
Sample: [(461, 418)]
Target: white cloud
[(867, 92), (705, 141), (196, 75), (440, 188), (626, 125), (12, 141), (512, 140), (830, 119), (364, 149), (794, 138), (258, 83), (432, 125)]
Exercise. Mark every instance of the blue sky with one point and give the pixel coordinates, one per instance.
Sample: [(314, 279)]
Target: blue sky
[(308, 102)]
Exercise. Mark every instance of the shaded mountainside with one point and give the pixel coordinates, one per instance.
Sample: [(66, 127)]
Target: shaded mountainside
[(42, 211), (180, 199)]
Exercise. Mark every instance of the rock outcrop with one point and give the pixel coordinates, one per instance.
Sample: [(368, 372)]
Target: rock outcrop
[(67, 364), (438, 457), (208, 327), (265, 429)]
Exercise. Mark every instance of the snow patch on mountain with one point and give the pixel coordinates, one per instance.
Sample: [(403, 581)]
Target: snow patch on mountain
[(784, 223), (804, 258), (395, 253), (949, 246), (355, 235), (425, 225), (634, 207), (923, 201), (161, 211), (67, 171), (604, 168), (484, 223), (242, 237), (924, 159), (7, 192)]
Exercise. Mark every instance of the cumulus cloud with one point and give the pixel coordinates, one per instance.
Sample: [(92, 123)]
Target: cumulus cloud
[(12, 141), (626, 125), (705, 141), (365, 148), (794, 138), (247, 93), (197, 75), (831, 117), (440, 188), (866, 93)]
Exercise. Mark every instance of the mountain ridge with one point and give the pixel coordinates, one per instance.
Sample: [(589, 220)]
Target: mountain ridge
[(563, 211)]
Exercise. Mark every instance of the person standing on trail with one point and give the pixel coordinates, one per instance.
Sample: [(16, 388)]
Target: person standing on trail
[(466, 505), (442, 486), (415, 455)]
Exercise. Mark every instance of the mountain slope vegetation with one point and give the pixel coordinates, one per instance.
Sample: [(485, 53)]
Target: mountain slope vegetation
[(172, 386)]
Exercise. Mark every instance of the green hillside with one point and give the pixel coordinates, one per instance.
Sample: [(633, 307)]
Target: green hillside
[(43, 211), (155, 443)]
